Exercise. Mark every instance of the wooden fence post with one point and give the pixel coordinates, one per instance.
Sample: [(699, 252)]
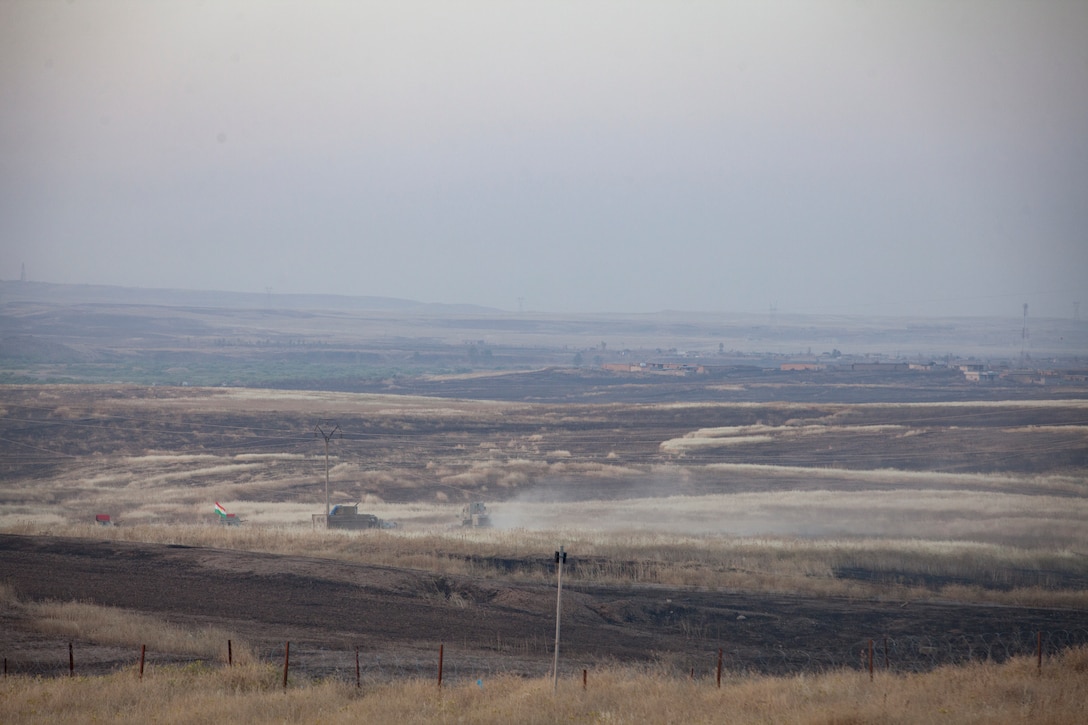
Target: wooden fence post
[(1039, 653), (230, 655), (719, 668), (441, 649), (870, 660), (584, 679), (358, 682), (71, 662), (286, 660), (143, 652)]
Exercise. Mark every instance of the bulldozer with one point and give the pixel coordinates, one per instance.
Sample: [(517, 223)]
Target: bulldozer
[(476, 515)]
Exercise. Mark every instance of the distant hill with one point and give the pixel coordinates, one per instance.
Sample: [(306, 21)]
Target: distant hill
[(74, 294), (68, 323)]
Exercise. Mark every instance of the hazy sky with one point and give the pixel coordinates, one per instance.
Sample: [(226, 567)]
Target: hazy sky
[(821, 156)]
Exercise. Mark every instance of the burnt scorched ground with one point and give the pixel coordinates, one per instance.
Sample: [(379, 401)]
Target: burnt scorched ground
[(398, 617)]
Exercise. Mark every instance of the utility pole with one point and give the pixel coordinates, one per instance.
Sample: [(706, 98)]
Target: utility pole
[(323, 429), (560, 559)]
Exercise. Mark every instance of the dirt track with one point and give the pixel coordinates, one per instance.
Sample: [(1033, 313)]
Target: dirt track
[(398, 617)]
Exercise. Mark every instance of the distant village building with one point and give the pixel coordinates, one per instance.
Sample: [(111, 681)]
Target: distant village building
[(621, 367), (1022, 377), (659, 368), (976, 372)]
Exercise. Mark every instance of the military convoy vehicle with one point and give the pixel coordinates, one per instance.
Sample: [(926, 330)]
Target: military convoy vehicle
[(476, 515)]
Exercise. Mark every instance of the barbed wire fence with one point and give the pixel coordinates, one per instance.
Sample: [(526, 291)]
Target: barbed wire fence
[(899, 654)]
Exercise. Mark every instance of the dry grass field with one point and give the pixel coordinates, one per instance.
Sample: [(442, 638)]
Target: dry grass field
[(1013, 692), (1022, 689), (783, 518), (980, 503), (990, 493)]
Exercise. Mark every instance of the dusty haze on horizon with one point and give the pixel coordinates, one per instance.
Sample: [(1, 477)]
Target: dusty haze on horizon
[(885, 158)]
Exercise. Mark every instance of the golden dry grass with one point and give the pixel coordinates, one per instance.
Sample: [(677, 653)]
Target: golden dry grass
[(125, 628), (1014, 692), (113, 626)]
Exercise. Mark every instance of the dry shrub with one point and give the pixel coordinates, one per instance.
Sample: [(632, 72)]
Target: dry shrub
[(1074, 659), (251, 676)]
